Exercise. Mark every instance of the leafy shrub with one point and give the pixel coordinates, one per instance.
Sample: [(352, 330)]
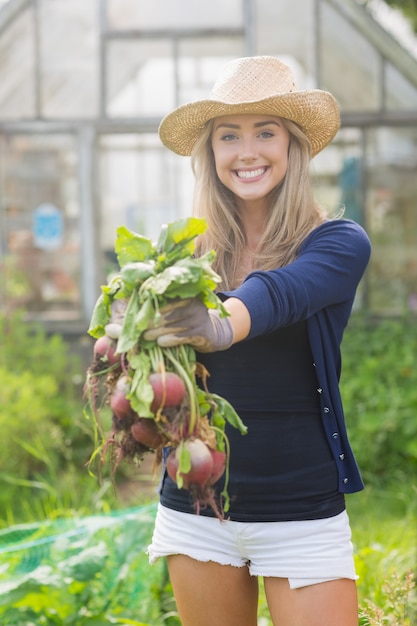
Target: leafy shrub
[(25, 419), (379, 390), (45, 440)]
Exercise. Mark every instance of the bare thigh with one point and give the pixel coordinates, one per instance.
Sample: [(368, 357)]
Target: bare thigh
[(333, 603), (210, 594)]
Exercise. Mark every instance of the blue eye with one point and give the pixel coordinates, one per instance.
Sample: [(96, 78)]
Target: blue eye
[(229, 137), (266, 134)]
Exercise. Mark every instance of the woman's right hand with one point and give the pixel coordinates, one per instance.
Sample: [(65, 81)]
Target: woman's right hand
[(190, 321)]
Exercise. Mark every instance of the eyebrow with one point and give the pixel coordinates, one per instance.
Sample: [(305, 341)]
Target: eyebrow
[(237, 126)]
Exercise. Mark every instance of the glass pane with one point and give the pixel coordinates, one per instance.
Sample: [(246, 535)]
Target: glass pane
[(338, 172), (175, 14), (350, 66), (39, 223), (286, 29), (392, 218), (17, 86), (338, 184), (400, 93), (140, 78), (69, 58), (142, 185), (199, 63), (141, 74)]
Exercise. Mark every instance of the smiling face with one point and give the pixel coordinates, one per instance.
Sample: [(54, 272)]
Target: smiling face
[(251, 155)]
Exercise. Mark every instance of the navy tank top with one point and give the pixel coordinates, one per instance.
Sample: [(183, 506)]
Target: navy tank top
[(282, 470)]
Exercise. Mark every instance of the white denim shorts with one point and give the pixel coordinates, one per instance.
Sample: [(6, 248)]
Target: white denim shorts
[(306, 552)]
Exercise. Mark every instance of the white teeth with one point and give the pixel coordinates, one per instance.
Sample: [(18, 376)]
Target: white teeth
[(250, 174)]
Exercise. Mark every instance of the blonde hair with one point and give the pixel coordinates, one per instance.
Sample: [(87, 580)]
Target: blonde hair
[(293, 212)]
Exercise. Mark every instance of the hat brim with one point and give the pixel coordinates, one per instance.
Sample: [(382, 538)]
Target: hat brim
[(315, 111)]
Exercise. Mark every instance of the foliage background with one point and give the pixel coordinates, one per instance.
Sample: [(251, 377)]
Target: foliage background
[(408, 8), (45, 438), (379, 391)]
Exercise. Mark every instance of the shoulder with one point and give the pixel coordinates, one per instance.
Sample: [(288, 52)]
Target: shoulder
[(339, 227), (339, 232)]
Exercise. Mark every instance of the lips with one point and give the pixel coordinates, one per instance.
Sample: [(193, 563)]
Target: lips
[(250, 174)]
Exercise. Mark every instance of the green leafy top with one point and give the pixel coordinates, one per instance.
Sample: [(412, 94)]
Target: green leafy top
[(150, 274)]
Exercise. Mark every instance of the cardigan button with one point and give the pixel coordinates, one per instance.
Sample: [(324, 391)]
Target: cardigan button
[(326, 409), (341, 457), (346, 480), (335, 435)]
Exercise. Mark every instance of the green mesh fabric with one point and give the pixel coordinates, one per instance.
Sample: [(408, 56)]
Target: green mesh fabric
[(82, 571)]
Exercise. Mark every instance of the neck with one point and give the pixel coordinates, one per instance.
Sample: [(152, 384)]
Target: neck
[(253, 218)]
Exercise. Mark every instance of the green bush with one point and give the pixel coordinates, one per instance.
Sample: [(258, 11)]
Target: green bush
[(379, 391), (45, 438), (25, 420)]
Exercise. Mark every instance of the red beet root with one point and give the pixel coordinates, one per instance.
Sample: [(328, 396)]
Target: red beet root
[(119, 404), (168, 388), (219, 465), (105, 350), (201, 464), (146, 432)]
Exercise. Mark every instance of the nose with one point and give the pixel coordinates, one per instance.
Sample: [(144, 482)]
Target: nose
[(248, 150)]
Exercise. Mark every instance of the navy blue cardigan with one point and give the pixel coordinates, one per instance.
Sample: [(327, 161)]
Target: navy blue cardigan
[(319, 286)]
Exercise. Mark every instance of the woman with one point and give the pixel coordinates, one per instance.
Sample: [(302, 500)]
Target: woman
[(289, 280)]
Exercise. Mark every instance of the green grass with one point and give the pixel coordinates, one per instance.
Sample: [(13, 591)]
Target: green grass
[(384, 527)]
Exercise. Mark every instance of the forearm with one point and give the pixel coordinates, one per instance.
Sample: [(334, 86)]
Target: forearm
[(239, 318)]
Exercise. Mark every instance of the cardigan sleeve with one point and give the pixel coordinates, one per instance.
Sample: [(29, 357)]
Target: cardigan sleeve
[(326, 272)]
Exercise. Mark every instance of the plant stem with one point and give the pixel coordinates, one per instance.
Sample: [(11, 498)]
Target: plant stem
[(183, 370)]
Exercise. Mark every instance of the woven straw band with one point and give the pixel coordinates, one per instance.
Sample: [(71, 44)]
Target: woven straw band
[(254, 85)]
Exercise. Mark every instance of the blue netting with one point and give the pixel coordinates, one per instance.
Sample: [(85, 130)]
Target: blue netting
[(82, 571)]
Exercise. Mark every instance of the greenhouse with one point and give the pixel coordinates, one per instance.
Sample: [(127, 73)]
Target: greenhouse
[(85, 84)]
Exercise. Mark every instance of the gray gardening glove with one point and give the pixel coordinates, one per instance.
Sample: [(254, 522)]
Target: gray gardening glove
[(190, 321)]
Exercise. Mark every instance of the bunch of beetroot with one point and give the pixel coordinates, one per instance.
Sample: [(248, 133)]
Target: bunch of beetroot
[(158, 397)]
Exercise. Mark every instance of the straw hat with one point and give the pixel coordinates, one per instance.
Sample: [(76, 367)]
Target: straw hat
[(260, 85)]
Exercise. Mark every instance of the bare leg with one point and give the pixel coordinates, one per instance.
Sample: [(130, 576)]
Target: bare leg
[(210, 594), (326, 604)]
